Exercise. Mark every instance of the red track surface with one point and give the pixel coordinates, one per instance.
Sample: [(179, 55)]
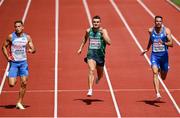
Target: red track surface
[(130, 74)]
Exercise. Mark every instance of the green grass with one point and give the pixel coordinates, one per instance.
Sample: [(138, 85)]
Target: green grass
[(177, 2)]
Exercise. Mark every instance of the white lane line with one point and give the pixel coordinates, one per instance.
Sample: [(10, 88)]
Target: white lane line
[(7, 67), (56, 59), (152, 15), (140, 47), (97, 90), (105, 69), (1, 2), (174, 5)]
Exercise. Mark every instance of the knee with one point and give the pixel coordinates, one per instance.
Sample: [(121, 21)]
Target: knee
[(91, 71), (23, 84)]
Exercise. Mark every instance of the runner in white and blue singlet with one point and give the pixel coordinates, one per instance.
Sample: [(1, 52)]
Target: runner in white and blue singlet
[(160, 39), (18, 43)]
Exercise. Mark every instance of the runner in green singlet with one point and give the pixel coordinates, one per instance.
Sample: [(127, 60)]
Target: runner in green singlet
[(98, 38)]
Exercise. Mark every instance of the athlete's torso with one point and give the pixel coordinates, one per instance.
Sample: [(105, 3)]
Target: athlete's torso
[(155, 37), (18, 47), (97, 44)]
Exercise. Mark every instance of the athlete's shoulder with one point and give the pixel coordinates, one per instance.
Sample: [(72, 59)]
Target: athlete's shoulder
[(9, 37), (150, 29), (167, 30)]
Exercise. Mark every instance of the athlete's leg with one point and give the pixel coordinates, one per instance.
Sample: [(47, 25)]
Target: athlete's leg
[(99, 73), (92, 67), (163, 75), (22, 91), (12, 81), (155, 78)]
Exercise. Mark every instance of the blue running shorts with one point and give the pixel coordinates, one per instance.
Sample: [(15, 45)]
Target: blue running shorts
[(18, 68), (161, 61)]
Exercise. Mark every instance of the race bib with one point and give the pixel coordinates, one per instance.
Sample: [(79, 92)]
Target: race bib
[(95, 44), (157, 47)]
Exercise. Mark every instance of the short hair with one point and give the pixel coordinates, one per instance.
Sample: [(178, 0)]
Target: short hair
[(18, 21), (96, 17), (158, 17)]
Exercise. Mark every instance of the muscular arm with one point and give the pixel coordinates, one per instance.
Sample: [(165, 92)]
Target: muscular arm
[(83, 41), (169, 42), (31, 48), (5, 45), (149, 42), (105, 36)]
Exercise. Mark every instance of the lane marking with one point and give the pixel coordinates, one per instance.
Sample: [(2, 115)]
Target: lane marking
[(56, 59), (152, 15), (97, 90), (174, 5), (140, 47), (1, 2), (7, 67), (105, 69)]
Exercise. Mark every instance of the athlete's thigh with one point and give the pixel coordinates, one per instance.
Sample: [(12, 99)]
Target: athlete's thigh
[(164, 64), (23, 69), (91, 64), (13, 70), (155, 63)]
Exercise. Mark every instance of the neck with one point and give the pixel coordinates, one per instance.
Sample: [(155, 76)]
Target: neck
[(19, 34), (158, 29)]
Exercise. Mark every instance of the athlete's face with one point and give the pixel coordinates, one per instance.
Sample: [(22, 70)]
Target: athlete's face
[(96, 23), (18, 27), (158, 22)]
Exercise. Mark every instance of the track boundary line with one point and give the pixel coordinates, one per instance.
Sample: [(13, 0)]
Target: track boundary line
[(1, 2), (105, 69), (7, 67), (56, 59), (140, 47), (84, 90), (152, 15), (174, 5)]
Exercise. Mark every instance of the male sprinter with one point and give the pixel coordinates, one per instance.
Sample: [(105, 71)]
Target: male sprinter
[(160, 39), (18, 43), (98, 38)]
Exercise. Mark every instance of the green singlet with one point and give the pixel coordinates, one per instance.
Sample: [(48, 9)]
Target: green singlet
[(96, 49)]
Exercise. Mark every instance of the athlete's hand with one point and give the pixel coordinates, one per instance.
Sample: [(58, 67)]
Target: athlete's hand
[(79, 51), (144, 52), (10, 58), (31, 51)]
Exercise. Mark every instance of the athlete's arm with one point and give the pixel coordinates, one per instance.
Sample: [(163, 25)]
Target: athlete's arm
[(85, 38), (7, 43), (31, 48), (169, 42), (105, 36), (149, 42)]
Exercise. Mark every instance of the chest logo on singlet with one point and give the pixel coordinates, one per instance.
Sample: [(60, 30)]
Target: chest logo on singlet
[(95, 43)]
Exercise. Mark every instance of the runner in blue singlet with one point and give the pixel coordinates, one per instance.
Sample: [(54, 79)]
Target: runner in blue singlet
[(18, 43), (160, 39)]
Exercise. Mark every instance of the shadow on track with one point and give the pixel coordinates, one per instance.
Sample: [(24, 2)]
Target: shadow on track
[(152, 102), (11, 106), (89, 101)]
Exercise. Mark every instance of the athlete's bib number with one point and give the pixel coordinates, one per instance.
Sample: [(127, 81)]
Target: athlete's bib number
[(95, 44), (158, 47)]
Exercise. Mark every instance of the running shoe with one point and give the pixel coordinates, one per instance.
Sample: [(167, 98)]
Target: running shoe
[(158, 97), (90, 93), (20, 106)]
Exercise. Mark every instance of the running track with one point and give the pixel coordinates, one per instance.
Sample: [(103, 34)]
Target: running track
[(58, 76)]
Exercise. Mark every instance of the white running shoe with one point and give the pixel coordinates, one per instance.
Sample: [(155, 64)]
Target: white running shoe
[(97, 80), (90, 93), (158, 97), (20, 106)]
